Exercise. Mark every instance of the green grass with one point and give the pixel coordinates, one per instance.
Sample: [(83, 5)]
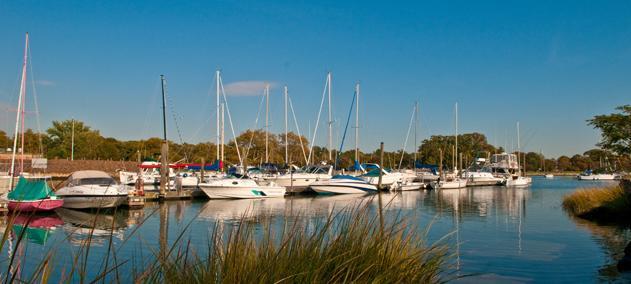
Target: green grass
[(606, 205), (347, 246)]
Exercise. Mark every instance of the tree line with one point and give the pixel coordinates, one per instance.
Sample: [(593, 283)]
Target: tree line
[(89, 144)]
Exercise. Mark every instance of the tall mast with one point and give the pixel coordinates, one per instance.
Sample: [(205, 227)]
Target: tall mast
[(456, 149), (164, 112), (415, 129), (266, 123), (357, 122), (222, 132), (72, 142), (330, 119), (518, 149), (286, 129), (22, 131), (21, 97), (217, 77)]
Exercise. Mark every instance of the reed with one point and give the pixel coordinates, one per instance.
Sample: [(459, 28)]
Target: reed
[(609, 204), (346, 246)]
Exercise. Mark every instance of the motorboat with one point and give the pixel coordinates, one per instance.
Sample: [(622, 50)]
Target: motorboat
[(237, 186), (92, 189), (411, 185), (480, 174), (449, 184), (344, 184), (300, 180), (518, 181), (388, 180), (590, 175), (33, 196), (549, 176), (149, 172)]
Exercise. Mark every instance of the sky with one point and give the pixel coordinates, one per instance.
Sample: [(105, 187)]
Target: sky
[(549, 65)]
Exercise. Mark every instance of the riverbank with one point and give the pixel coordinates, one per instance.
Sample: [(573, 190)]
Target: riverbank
[(608, 205)]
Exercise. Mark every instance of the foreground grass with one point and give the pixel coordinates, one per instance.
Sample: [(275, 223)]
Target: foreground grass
[(347, 246), (605, 205)]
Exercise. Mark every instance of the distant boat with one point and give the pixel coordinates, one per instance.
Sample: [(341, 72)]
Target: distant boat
[(449, 184), (33, 196), (300, 180), (480, 173), (240, 187), (92, 189), (590, 175), (344, 184), (549, 176)]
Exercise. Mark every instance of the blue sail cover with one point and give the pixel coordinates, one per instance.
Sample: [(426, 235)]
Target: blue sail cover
[(216, 166), (433, 168), (356, 166)]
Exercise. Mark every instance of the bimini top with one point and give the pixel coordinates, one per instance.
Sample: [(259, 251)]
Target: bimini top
[(27, 190), (89, 177), (346, 177), (89, 174)]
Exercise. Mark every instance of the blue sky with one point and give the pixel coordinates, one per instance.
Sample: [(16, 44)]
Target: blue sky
[(550, 66)]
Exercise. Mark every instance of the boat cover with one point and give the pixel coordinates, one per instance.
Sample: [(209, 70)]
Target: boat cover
[(30, 190)]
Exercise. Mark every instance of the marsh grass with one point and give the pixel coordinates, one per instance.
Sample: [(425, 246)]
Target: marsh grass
[(607, 205), (345, 246)]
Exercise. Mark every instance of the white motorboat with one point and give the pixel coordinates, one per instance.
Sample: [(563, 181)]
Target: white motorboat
[(449, 184), (240, 187), (549, 176), (343, 184), (150, 173), (480, 174), (91, 189), (300, 180), (388, 179), (589, 175), (411, 185), (518, 181)]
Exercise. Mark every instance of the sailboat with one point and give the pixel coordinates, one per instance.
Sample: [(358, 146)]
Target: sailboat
[(410, 180), (519, 180), (543, 167), (455, 181)]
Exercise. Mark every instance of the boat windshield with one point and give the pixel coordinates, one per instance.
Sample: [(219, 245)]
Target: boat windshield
[(346, 177), (95, 181)]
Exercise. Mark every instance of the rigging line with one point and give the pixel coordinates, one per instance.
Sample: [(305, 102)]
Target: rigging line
[(181, 150), (302, 147), (407, 136), (236, 143), (315, 130), (36, 104), (147, 114), (203, 108), (201, 125), (256, 123), (348, 119)]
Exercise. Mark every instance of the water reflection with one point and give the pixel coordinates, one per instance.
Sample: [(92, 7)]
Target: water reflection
[(97, 226), (35, 228)]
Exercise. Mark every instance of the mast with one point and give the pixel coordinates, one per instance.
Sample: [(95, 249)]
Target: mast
[(456, 148), (72, 142), (218, 78), (164, 111), (518, 149), (164, 151), (21, 97), (266, 123), (415, 136), (330, 118), (286, 129), (222, 132), (357, 122)]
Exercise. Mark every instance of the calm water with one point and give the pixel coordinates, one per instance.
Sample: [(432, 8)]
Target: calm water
[(496, 234)]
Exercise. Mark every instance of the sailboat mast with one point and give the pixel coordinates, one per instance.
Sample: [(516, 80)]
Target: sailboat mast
[(330, 118), (518, 149), (164, 112), (357, 123), (72, 142), (286, 129), (21, 97), (218, 78), (415, 136), (222, 132), (266, 123), (456, 148)]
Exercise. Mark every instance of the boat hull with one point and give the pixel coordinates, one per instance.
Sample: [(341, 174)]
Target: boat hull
[(41, 205), (597, 177), (243, 192), (85, 202), (449, 184), (343, 188)]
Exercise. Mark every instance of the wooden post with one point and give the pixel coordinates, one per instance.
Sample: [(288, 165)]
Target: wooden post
[(201, 171), (164, 169)]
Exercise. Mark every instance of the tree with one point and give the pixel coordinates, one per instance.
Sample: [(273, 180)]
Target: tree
[(86, 141), (615, 130), (4, 141)]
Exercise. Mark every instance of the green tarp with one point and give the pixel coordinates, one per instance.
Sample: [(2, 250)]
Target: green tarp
[(35, 235), (30, 190)]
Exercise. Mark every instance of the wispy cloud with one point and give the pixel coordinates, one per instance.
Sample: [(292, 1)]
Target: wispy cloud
[(246, 88), (45, 83)]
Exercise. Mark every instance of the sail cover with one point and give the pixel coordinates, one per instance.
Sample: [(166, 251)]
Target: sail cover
[(30, 190)]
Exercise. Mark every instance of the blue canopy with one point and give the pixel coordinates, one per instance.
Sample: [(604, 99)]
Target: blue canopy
[(346, 177), (214, 167), (433, 168)]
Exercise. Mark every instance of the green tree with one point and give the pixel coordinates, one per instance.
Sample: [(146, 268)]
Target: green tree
[(86, 141), (615, 130)]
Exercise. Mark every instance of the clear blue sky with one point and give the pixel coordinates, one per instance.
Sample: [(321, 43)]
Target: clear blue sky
[(548, 64)]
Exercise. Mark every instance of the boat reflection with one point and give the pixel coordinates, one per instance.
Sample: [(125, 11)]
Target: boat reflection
[(97, 226), (35, 228)]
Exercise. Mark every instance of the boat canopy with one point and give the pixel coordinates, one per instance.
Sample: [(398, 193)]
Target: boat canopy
[(218, 165), (89, 178), (433, 168), (30, 190), (374, 173), (346, 177), (356, 166)]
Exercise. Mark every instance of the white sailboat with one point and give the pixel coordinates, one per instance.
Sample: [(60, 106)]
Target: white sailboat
[(519, 180), (454, 181), (409, 179)]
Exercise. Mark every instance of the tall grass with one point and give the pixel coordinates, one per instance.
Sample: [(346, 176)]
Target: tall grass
[(600, 204), (347, 246)]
